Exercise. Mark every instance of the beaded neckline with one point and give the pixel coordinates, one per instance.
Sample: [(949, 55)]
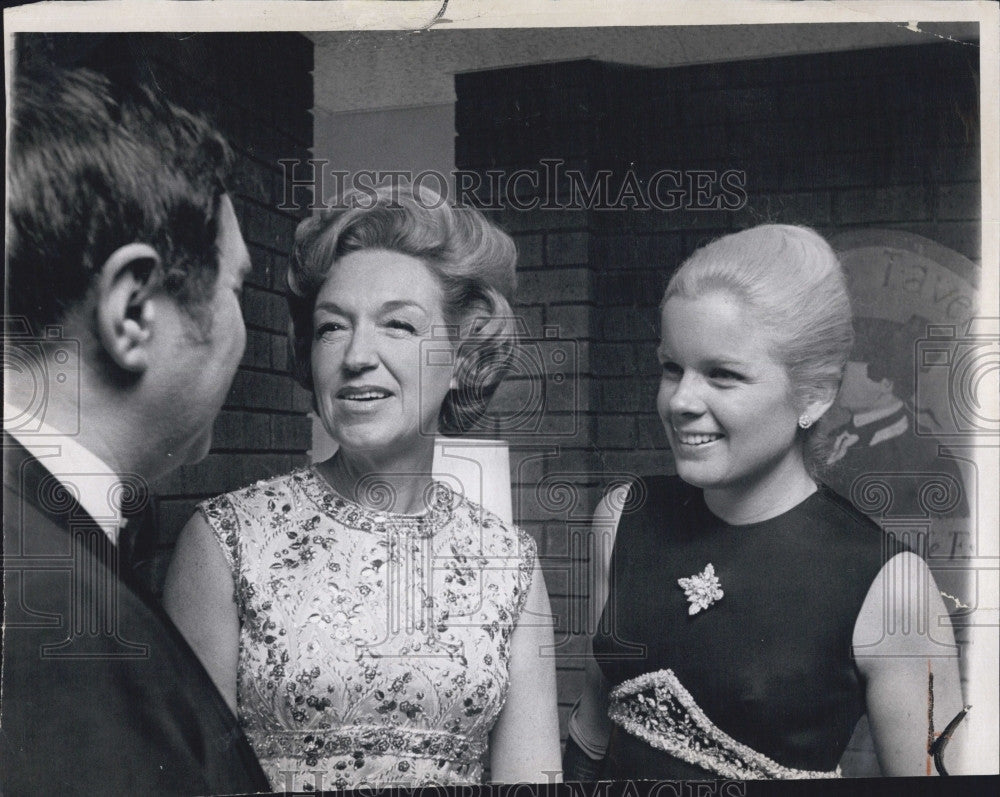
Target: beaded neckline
[(440, 499)]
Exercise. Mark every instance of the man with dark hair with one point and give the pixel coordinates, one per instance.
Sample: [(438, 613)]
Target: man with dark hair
[(124, 267)]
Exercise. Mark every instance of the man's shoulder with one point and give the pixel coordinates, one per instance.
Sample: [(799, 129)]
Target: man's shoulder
[(94, 674), (32, 523)]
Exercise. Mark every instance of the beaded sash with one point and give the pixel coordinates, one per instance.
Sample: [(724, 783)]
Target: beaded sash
[(656, 708)]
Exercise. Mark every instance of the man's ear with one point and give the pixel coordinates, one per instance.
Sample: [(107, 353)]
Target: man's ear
[(124, 312)]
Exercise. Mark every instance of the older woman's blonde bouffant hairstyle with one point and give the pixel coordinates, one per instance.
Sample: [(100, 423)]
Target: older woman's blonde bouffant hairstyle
[(473, 260), (795, 285)]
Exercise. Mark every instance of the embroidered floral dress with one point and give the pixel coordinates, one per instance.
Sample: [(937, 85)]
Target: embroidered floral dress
[(374, 646)]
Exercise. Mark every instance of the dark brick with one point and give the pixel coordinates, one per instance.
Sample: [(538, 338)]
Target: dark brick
[(617, 395), (959, 202), (540, 503), (566, 248), (644, 462), (574, 465), (241, 431), (629, 323), (252, 180), (301, 398), (651, 433), (529, 320), (258, 349), (279, 353), (299, 184), (256, 311), (298, 124), (529, 252), (565, 611), (660, 252), (279, 272), (567, 396), (614, 431), (557, 580), (291, 432), (261, 391), (647, 364), (811, 208), (907, 203), (962, 236), (612, 359), (955, 164), (261, 259), (633, 287), (283, 230), (255, 222), (557, 540), (254, 468), (277, 313), (217, 473), (555, 285), (572, 321)]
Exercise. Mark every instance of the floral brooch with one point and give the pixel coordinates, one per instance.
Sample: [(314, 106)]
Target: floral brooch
[(702, 589)]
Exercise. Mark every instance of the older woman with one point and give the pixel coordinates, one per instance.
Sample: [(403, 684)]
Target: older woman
[(750, 615), (369, 625)]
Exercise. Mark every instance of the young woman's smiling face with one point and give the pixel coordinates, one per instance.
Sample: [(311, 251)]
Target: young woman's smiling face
[(378, 387), (725, 401)]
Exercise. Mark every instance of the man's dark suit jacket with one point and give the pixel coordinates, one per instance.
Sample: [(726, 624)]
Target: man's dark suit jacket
[(101, 693)]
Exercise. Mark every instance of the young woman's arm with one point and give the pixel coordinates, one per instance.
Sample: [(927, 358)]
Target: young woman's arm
[(906, 652), (589, 726)]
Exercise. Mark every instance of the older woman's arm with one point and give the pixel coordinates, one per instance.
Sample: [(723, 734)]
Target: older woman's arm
[(902, 637), (524, 743), (198, 596)]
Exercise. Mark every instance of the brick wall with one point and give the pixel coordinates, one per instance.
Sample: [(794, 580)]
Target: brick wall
[(883, 138), (257, 89)]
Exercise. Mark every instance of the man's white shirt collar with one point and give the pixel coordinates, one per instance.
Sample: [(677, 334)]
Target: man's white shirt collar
[(92, 482)]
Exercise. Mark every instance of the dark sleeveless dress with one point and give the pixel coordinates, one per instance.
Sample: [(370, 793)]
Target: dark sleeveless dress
[(760, 684)]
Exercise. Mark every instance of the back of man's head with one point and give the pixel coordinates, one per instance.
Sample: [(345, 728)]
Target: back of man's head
[(94, 166)]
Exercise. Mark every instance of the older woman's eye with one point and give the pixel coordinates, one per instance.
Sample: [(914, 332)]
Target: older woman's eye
[(401, 326), (328, 328)]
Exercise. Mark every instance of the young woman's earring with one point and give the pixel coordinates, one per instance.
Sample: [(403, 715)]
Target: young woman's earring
[(805, 421)]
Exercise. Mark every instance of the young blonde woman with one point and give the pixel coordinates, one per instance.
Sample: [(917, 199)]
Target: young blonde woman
[(749, 615)]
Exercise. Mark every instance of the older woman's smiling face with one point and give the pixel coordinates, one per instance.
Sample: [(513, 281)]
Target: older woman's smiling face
[(379, 386)]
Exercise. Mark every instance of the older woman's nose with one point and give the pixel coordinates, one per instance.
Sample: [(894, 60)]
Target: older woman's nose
[(361, 353)]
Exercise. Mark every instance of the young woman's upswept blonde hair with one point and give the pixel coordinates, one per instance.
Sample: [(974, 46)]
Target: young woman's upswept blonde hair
[(794, 284)]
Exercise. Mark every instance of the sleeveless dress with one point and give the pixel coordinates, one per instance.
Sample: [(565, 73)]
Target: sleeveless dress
[(374, 646), (758, 682)]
